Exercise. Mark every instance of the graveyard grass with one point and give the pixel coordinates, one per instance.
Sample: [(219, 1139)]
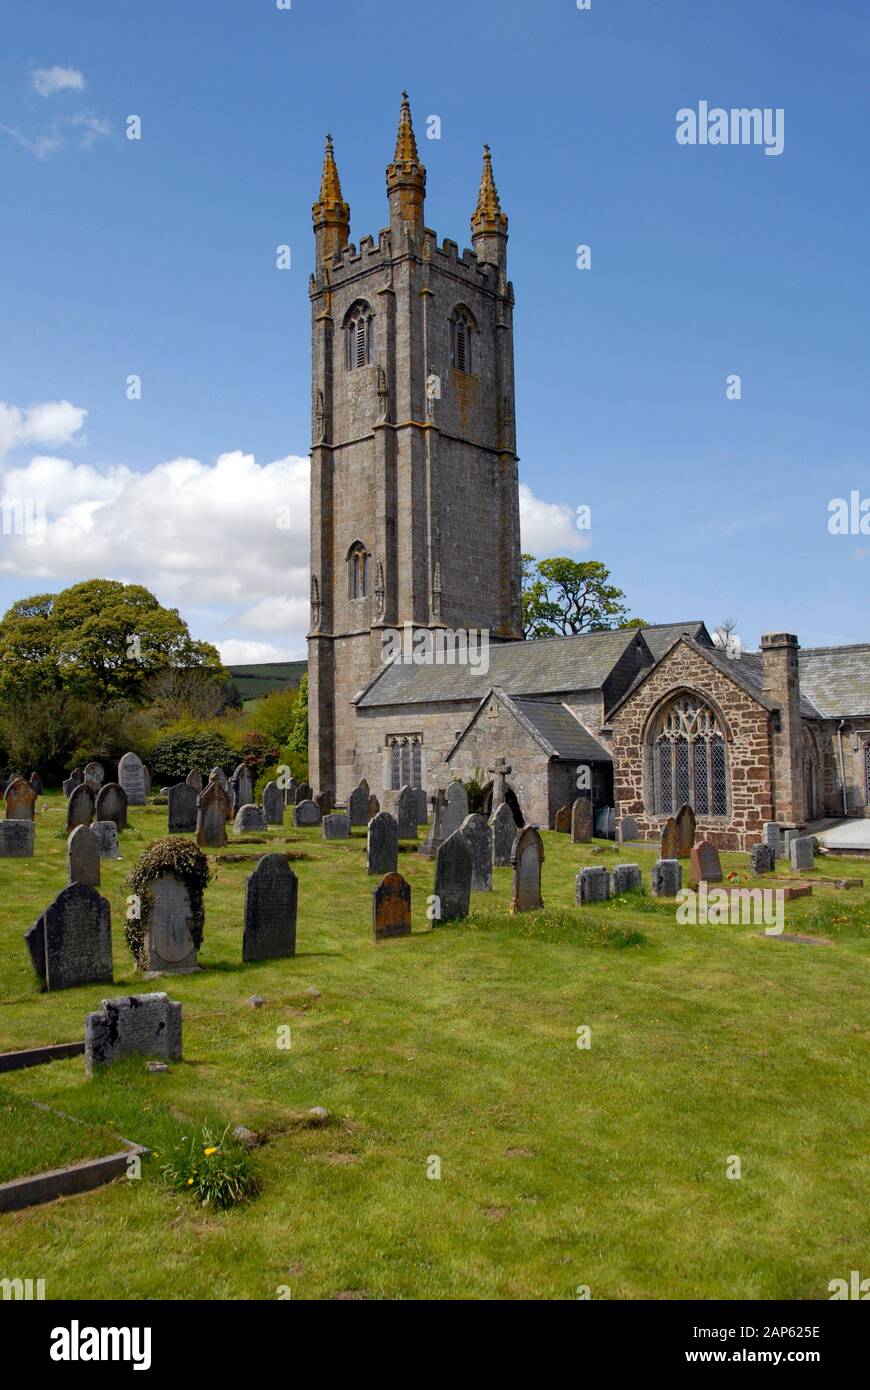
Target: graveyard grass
[(560, 1167)]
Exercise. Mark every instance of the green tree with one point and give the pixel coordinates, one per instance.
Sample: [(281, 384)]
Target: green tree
[(563, 596), (297, 742)]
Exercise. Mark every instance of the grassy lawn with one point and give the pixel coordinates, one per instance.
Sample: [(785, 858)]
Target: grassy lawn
[(560, 1167)]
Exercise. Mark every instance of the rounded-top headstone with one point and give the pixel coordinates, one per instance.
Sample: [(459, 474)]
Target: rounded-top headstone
[(83, 857), (249, 817), (131, 776)]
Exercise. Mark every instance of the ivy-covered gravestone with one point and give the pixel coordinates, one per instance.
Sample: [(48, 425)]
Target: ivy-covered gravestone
[(165, 910)]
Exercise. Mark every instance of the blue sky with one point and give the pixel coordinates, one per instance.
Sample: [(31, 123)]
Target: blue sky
[(157, 257)]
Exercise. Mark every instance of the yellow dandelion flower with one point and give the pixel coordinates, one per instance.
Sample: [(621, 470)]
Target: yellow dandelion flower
[(208, 1152), (190, 1182)]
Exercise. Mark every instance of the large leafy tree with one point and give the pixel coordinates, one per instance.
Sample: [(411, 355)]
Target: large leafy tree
[(562, 597), (101, 641)]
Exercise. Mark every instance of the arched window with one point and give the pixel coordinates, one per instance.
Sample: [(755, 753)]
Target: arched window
[(358, 336), (461, 335), (689, 760), (404, 761), (358, 560)]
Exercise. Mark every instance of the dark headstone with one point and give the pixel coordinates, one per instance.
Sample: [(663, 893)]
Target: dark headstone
[(271, 894), (504, 831), (335, 826), (382, 844), (391, 907), (800, 851), (667, 878), (562, 823), (627, 829), (218, 775), (704, 864), (20, 800), (435, 835), (374, 806), (183, 808), (452, 879), (83, 857), (212, 808), (478, 838), (112, 804), (325, 802), (670, 842), (625, 878), (17, 838), (358, 805), (307, 813), (422, 806), (581, 820), (772, 837), (527, 856), (131, 776), (194, 779), (406, 813), (80, 807), (290, 792), (273, 804), (304, 792), (71, 943), (249, 817), (591, 886), (94, 776), (455, 808), (69, 786), (241, 788), (685, 823), (36, 783), (148, 1025), (105, 832), (761, 859)]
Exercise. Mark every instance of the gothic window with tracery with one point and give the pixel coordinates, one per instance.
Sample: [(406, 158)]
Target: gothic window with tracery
[(461, 331), (404, 761), (689, 759), (358, 570), (358, 336)]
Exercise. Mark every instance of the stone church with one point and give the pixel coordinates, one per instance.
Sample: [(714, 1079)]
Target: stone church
[(415, 530)]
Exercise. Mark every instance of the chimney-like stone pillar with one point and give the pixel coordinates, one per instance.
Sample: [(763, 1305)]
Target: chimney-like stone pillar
[(781, 685)]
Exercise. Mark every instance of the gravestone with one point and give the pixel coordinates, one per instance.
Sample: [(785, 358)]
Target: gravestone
[(527, 856), (452, 879), (605, 822), (391, 907), (667, 878), (112, 805), (761, 859), (325, 802), (212, 808), (627, 829), (406, 813), (71, 943), (335, 826), (704, 864), (105, 832), (625, 878), (271, 895), (147, 1025), (273, 804), (290, 792), (147, 775), (422, 806), (685, 831), (241, 788), (249, 817), (670, 843), (20, 800), (183, 808), (218, 775), (374, 806), (94, 776), (504, 831), (306, 813), (169, 944), (131, 776), (17, 838), (382, 844), (80, 807), (500, 774), (304, 792), (36, 783), (194, 779), (591, 886), (83, 857), (455, 808), (581, 820), (478, 838), (69, 785), (562, 823), (800, 852), (772, 837), (435, 835), (358, 805)]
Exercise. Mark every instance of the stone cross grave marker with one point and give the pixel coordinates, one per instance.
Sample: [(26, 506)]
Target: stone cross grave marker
[(500, 773)]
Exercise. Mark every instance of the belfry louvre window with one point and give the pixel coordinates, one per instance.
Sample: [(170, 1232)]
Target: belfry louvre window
[(358, 571), (358, 336), (689, 760), (405, 755), (461, 329)]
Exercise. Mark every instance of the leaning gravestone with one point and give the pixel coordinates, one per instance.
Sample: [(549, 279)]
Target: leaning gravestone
[(562, 823), (335, 826), (527, 857), (685, 823), (105, 832), (249, 818), (452, 879), (271, 895), (131, 776), (169, 944), (358, 805), (456, 808), (83, 857), (148, 1025), (212, 809), (37, 783), (17, 838), (406, 813), (273, 804), (772, 837), (112, 805), (761, 859), (667, 878), (194, 779), (304, 792), (627, 829), (478, 838), (670, 843), (800, 852), (504, 830), (182, 808), (306, 813), (80, 807), (591, 886), (94, 776), (391, 907), (705, 865), (71, 943), (382, 844), (581, 820), (20, 800)]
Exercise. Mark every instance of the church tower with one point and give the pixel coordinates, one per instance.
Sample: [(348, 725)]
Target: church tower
[(414, 495)]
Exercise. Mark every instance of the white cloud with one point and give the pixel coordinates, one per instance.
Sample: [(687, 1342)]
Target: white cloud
[(47, 81), (50, 423), (92, 127), (548, 528), (39, 145), (238, 653)]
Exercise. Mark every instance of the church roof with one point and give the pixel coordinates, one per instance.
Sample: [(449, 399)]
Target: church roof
[(556, 730), (662, 636), (836, 680)]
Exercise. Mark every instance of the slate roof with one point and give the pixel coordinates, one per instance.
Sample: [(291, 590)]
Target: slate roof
[(836, 680), (556, 730), (661, 637), (743, 671)]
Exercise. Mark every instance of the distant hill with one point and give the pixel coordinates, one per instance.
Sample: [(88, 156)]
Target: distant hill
[(252, 682)]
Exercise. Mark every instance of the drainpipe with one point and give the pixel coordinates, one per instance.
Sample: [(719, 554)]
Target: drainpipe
[(842, 767)]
